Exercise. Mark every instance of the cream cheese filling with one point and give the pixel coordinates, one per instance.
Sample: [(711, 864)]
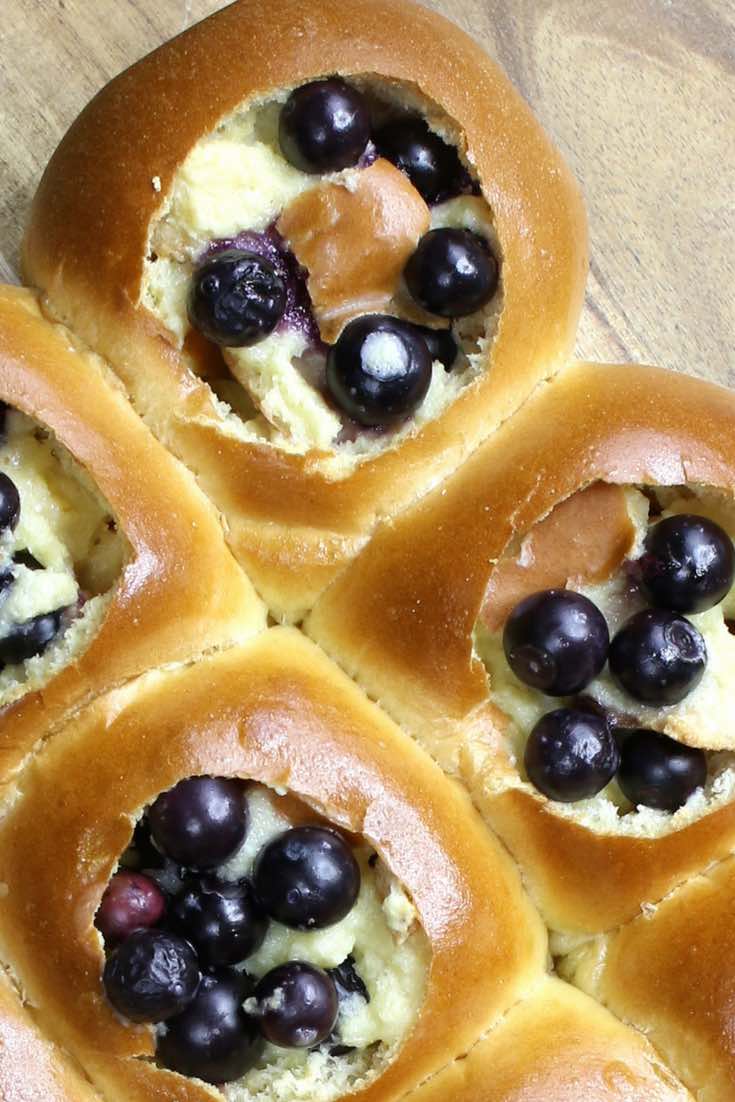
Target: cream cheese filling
[(235, 180), (391, 954), (705, 718)]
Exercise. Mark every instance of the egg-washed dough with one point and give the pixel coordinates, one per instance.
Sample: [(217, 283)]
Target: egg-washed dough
[(705, 718), (68, 529), (236, 179), (391, 954)]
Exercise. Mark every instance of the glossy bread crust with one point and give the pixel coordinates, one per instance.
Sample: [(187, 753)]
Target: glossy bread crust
[(289, 523), (401, 618), (284, 716), (181, 593), (31, 1067), (557, 1045), (671, 973)]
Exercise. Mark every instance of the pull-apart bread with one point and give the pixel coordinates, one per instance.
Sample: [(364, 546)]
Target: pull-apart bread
[(112, 562), (373, 873), (280, 897), (307, 281), (327, 249), (554, 625)]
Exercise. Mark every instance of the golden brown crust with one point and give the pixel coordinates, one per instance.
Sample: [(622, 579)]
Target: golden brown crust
[(31, 1067), (557, 1046), (181, 592), (583, 539), (143, 125), (355, 242), (672, 974), (401, 617), (278, 711)]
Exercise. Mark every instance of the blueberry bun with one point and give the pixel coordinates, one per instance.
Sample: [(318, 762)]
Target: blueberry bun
[(95, 564), (278, 897), (332, 251), (570, 654)]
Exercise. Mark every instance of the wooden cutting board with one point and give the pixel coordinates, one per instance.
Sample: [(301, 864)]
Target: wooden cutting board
[(639, 95)]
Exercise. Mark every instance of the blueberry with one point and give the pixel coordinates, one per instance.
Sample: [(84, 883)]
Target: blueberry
[(236, 298), (658, 657), (655, 771), (379, 370), (297, 1005), (9, 503), (131, 901), (222, 921), (29, 638), (324, 126), (213, 1039), (441, 344), (556, 641), (452, 273), (348, 980), (571, 755), (200, 822), (688, 564), (152, 976), (307, 878), (431, 165)]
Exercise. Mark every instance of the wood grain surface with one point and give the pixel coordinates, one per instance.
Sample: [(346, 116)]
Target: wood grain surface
[(639, 95)]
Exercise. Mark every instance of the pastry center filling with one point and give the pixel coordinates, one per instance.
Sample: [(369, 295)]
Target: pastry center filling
[(60, 555), (275, 956), (302, 227), (606, 634)]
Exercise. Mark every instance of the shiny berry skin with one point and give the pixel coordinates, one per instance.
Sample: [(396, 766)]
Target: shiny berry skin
[(431, 165), (571, 755), (9, 503), (131, 901), (297, 1005), (452, 273), (556, 641), (655, 771), (688, 564), (222, 921), (200, 822), (441, 344), (236, 298), (324, 126), (213, 1039), (307, 878), (658, 657), (30, 638), (379, 370), (153, 976)]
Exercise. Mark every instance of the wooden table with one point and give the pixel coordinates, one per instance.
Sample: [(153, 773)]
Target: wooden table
[(639, 94)]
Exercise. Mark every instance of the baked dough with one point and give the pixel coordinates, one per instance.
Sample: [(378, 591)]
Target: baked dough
[(295, 519), (180, 592), (402, 621), (286, 717), (406, 551)]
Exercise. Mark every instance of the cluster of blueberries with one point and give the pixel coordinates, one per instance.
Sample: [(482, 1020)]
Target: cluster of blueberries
[(178, 932), (31, 637), (557, 641), (238, 296)]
